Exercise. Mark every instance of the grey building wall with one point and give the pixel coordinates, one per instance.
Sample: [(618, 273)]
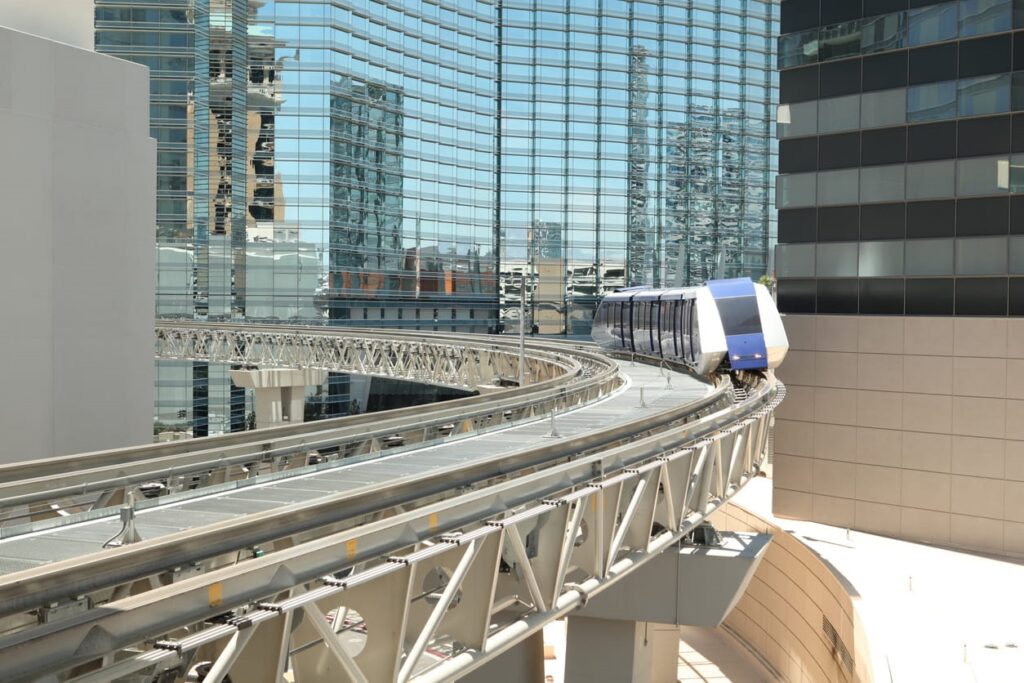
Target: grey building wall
[(76, 288)]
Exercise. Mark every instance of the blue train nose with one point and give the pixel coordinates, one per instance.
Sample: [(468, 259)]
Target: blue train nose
[(747, 351)]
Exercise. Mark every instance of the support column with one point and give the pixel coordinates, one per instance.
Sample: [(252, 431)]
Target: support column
[(619, 650), (524, 662), (280, 392)]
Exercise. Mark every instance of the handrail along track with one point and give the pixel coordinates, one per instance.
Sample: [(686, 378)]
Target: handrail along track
[(570, 517)]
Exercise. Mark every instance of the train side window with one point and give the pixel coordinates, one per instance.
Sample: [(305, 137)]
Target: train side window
[(633, 312), (675, 329), (691, 326), (682, 330), (652, 324), (660, 306)]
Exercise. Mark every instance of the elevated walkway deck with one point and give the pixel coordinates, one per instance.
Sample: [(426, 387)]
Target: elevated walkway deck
[(71, 537)]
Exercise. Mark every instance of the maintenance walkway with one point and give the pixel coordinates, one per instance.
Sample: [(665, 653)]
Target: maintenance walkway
[(648, 389)]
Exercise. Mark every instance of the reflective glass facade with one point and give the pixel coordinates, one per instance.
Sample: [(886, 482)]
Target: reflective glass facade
[(901, 186), (635, 148), (423, 165)]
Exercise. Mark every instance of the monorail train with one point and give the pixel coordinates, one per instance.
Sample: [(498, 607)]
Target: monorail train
[(731, 323)]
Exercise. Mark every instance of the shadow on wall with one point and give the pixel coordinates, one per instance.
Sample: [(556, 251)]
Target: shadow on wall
[(796, 614)]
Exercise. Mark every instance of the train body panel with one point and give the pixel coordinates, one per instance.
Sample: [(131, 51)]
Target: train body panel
[(726, 321)]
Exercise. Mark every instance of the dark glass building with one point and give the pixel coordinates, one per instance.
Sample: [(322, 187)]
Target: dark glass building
[(900, 157)]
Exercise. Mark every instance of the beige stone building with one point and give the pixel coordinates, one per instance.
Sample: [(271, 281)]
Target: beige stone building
[(906, 426)]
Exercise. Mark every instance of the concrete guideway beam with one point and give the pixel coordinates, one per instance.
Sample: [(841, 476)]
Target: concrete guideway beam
[(620, 650), (280, 392), (722, 572), (419, 541)]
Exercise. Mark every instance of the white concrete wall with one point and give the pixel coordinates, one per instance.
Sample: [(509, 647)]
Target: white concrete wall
[(66, 21), (77, 191)]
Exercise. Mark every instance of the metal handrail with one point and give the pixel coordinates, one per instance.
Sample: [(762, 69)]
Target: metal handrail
[(133, 619), (26, 589), (40, 480)]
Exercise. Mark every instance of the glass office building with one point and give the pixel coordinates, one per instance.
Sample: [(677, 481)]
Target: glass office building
[(426, 165), (635, 148)]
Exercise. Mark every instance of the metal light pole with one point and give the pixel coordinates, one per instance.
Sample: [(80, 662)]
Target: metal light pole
[(522, 329)]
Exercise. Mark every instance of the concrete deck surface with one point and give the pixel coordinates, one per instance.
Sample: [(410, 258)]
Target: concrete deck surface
[(706, 655)]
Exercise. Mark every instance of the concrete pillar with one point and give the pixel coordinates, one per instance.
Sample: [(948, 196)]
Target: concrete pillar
[(524, 663), (620, 650), (280, 392)]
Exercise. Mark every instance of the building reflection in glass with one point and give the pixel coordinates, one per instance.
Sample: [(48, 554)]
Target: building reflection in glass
[(422, 165)]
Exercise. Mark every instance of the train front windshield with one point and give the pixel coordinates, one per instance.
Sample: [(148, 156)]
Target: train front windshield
[(739, 315)]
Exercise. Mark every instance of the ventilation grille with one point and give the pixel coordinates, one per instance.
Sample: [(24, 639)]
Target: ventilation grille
[(838, 647)]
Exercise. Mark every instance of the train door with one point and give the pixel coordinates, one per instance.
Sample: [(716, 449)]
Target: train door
[(694, 332), (675, 327), (656, 326), (628, 312)]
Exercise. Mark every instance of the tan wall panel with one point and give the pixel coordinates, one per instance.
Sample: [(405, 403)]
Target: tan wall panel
[(1015, 420), (877, 518), (799, 367), (833, 510), (799, 404), (984, 377), (977, 533), (1013, 538), (835, 442), (836, 370), (836, 333), (931, 452), (928, 336), (793, 472), (1014, 460), (924, 525), (927, 490), (928, 374), (927, 413), (881, 372), (794, 437), (878, 484), (879, 446), (1014, 378), (984, 337), (834, 478), (976, 496), (800, 330), (1015, 338), (979, 457), (979, 417), (881, 409), (877, 334), (930, 439), (835, 406), (781, 614), (795, 504)]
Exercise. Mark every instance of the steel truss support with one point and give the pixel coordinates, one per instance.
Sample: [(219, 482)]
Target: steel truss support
[(430, 359), (434, 592)]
